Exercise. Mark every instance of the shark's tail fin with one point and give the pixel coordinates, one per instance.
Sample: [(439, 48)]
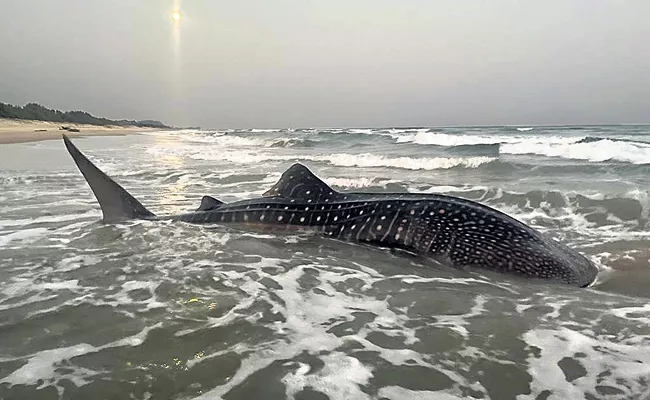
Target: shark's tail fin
[(116, 203)]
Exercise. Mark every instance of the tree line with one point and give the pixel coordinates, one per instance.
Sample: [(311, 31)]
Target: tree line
[(37, 112)]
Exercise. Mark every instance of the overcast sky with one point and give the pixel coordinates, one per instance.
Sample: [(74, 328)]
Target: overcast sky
[(299, 63)]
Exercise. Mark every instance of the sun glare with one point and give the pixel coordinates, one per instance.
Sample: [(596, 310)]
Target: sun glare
[(176, 16)]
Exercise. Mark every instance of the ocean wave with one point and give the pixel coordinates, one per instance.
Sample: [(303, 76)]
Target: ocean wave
[(352, 183), (242, 156), (264, 130), (449, 140), (594, 151), (246, 139), (589, 148), (412, 131), (491, 150), (412, 163), (291, 142), (592, 139)]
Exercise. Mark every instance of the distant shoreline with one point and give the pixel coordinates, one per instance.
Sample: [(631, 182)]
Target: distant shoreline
[(37, 112), (21, 130)]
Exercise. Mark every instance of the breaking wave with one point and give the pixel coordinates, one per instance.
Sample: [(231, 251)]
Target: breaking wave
[(491, 149), (413, 163), (448, 139), (588, 150), (338, 159)]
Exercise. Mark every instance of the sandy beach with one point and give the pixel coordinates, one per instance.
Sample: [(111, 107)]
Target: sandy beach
[(16, 130)]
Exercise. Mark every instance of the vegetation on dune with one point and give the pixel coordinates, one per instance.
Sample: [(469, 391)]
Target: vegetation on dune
[(34, 111)]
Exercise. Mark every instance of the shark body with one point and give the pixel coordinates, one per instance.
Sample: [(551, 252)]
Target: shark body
[(451, 230)]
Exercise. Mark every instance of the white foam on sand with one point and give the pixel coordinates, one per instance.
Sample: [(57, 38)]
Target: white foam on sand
[(614, 366), (309, 318), (22, 237), (340, 378), (399, 393), (42, 365)]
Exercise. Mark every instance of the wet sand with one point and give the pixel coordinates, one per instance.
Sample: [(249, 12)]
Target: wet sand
[(18, 131)]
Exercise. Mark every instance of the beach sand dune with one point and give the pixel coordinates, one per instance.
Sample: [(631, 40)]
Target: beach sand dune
[(19, 130)]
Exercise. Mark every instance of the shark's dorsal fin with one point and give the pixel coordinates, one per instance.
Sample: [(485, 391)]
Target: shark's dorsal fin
[(299, 183), (116, 203), (209, 203)]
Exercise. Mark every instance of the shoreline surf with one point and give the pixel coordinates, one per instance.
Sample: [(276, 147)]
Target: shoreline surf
[(21, 131)]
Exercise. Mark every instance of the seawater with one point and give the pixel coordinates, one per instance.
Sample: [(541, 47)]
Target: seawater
[(160, 310)]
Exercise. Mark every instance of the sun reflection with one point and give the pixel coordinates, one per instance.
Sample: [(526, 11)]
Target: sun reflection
[(173, 194), (176, 16)]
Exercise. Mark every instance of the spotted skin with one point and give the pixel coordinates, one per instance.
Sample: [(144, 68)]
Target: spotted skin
[(456, 232), (453, 231)]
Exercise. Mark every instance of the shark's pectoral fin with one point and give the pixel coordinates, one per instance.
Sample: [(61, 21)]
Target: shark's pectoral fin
[(116, 203), (299, 183), (209, 203)]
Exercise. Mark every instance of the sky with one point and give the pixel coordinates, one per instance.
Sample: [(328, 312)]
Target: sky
[(331, 63)]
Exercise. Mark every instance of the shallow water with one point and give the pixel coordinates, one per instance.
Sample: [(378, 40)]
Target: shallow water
[(151, 310)]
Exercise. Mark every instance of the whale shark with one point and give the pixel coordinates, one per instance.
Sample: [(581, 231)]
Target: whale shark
[(449, 230)]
